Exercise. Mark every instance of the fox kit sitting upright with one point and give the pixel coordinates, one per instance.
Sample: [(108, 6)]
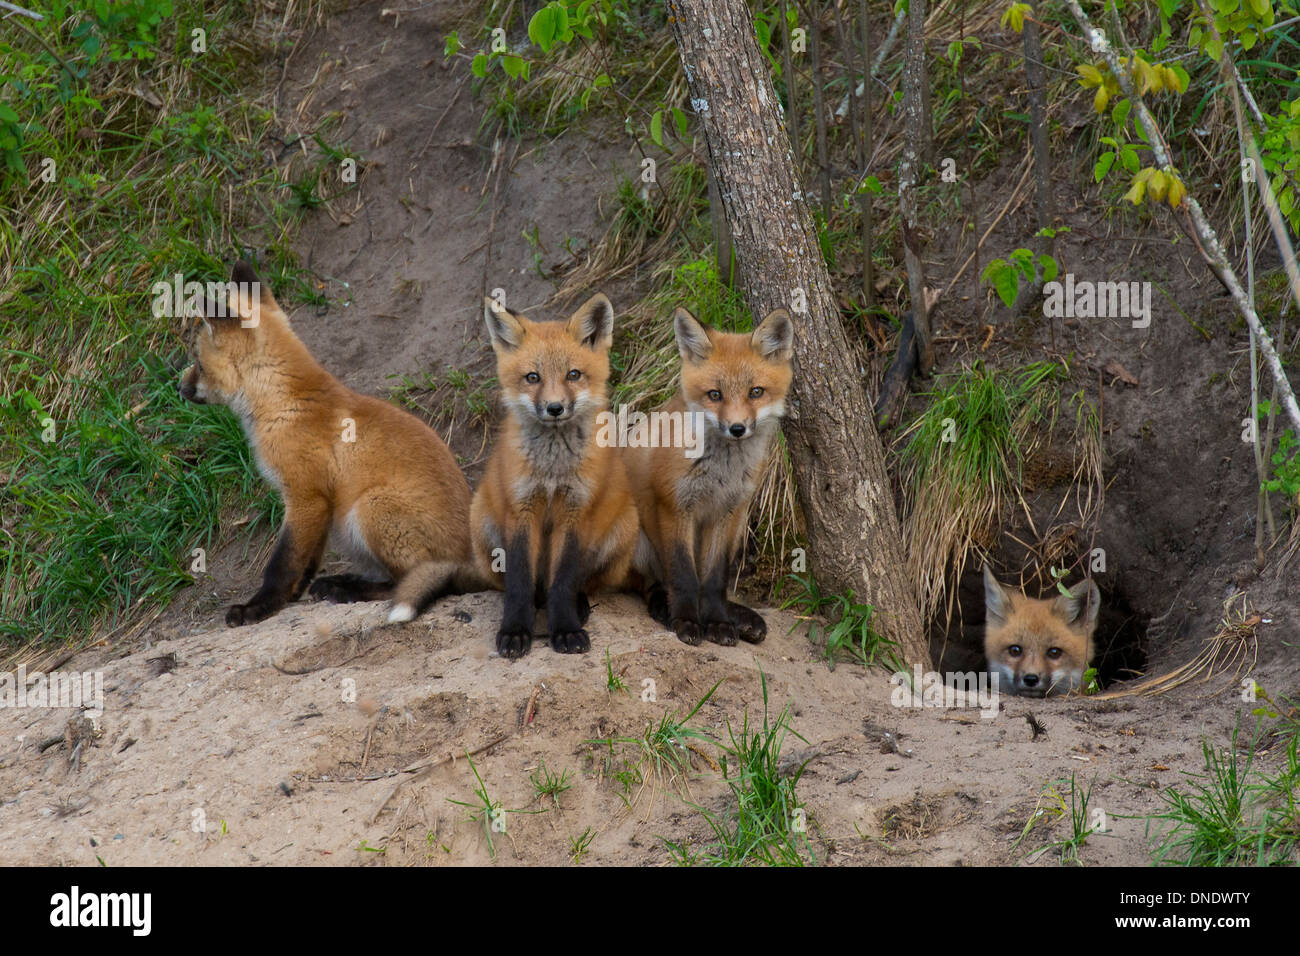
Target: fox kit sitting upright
[(553, 502), (374, 476), (693, 508), (1039, 647)]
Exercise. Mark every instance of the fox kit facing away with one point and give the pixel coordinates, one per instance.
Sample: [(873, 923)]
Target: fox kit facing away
[(374, 476), (693, 508), (553, 503), (1039, 647)]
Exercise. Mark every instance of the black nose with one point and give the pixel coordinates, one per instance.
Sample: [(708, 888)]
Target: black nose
[(737, 429), (1029, 680), (555, 409), (187, 391)]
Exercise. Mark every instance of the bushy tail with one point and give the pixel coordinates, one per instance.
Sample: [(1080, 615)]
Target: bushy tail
[(427, 582)]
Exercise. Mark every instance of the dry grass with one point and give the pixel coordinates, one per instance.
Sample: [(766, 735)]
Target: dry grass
[(1233, 647)]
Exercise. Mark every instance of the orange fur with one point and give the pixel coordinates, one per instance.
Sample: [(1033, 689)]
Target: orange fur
[(1039, 647), (693, 508), (372, 475), (552, 514)]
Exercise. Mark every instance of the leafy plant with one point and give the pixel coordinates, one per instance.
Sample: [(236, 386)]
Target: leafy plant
[(1005, 274), (851, 631)]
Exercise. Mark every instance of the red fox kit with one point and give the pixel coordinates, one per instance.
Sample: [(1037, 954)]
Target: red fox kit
[(553, 503), (374, 476), (1039, 647), (693, 506)]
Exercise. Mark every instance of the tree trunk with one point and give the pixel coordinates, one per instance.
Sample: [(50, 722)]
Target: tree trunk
[(916, 144), (844, 491)]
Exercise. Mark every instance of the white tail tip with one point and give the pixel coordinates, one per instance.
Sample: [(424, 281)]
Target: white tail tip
[(401, 613)]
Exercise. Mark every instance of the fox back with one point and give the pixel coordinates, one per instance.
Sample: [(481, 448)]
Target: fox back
[(351, 468), (1039, 647)]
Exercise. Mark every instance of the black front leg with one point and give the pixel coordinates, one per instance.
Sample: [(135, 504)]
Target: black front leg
[(714, 618), (684, 597), (515, 636), (563, 613), (292, 565)]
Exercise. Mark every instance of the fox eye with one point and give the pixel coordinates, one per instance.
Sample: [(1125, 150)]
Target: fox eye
[(532, 378), (574, 375), (756, 392), (1053, 653), (715, 395), (1014, 650)]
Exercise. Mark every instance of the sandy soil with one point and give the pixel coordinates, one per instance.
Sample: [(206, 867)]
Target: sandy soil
[(283, 743)]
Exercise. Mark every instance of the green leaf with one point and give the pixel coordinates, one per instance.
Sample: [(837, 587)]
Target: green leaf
[(479, 65), (1050, 269), (1120, 113), (679, 117), (1128, 158), (657, 128), (514, 66), (1104, 162), (543, 27), (1007, 285), (451, 45)]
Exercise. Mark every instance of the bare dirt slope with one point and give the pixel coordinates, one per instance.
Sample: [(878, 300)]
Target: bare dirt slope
[(253, 735)]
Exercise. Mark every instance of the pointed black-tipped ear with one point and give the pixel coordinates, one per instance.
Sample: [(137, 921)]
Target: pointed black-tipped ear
[(693, 342), (243, 271), (774, 337), (248, 295), (997, 606), (505, 328), (593, 323), (1079, 608)]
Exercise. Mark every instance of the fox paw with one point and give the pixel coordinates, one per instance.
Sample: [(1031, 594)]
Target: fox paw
[(250, 613), (332, 590), (750, 626), (720, 632), (657, 605), (513, 644), (570, 642), (688, 632)]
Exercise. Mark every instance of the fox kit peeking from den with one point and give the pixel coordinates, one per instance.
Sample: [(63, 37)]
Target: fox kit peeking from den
[(693, 507), (374, 477), (552, 520), (1039, 648)]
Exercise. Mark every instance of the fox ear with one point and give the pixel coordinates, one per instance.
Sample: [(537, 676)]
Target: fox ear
[(593, 323), (247, 294), (1079, 608), (504, 327), (693, 341), (774, 336), (997, 607)]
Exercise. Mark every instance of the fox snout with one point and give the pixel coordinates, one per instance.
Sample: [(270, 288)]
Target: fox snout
[(738, 430), (190, 387), (553, 412), (1029, 679)]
